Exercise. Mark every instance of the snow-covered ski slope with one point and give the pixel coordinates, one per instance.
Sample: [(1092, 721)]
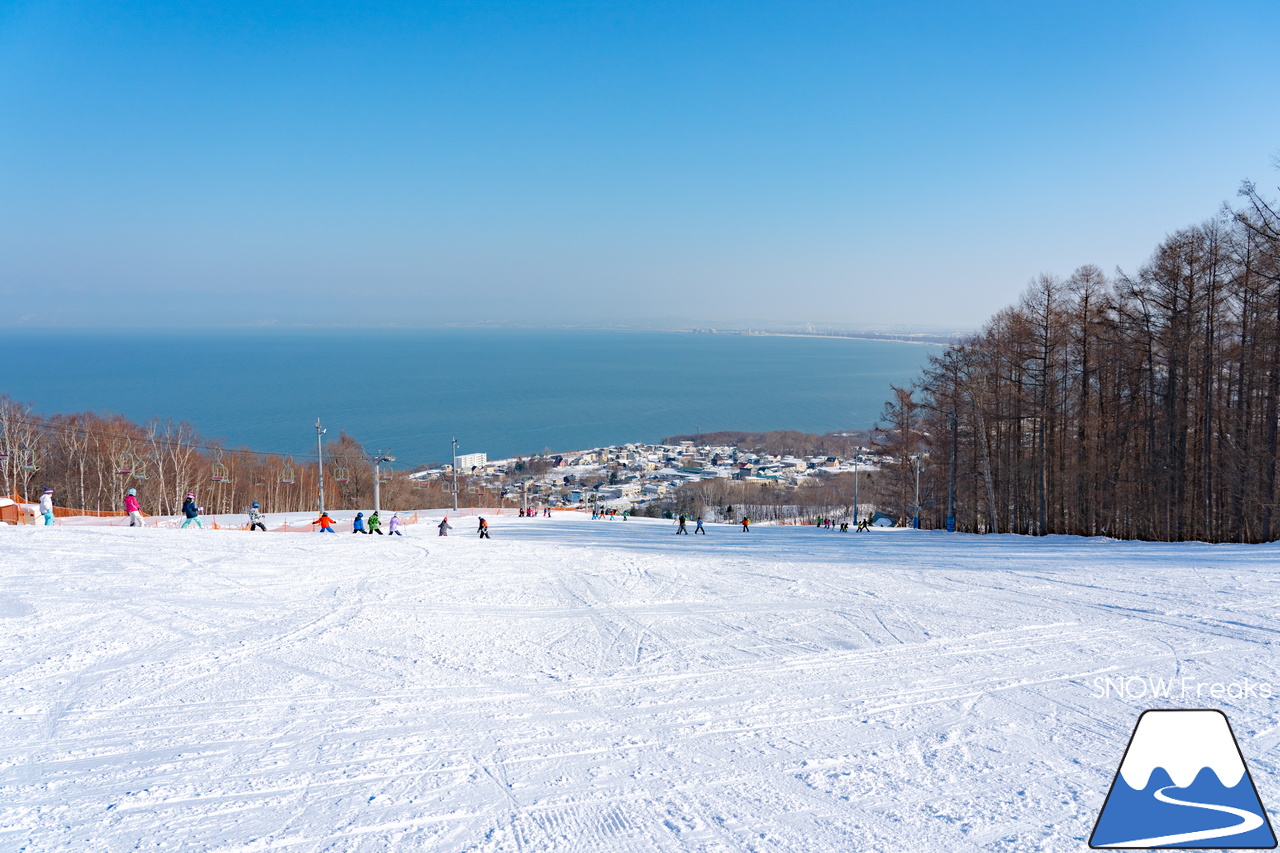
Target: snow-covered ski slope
[(585, 685)]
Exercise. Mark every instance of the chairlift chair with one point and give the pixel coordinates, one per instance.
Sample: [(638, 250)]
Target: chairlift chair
[(28, 457), (139, 469), (220, 473), (124, 463), (286, 475), (340, 474), (4, 453)]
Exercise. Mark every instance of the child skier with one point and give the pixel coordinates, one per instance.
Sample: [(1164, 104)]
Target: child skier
[(46, 506), (325, 522), (393, 526), (683, 529), (700, 528), (375, 524), (191, 511), (746, 524), (444, 526), (357, 526), (255, 518), (132, 507), (484, 528)]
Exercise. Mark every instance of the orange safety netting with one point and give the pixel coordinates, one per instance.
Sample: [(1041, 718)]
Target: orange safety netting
[(20, 517)]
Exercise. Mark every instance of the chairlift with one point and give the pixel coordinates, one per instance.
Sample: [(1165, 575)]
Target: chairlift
[(4, 453), (286, 473), (28, 459), (340, 474), (124, 463), (139, 469), (384, 476), (220, 473)]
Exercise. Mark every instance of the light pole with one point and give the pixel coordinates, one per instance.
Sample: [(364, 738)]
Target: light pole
[(377, 479), (855, 487), (455, 474), (917, 457), (320, 431)]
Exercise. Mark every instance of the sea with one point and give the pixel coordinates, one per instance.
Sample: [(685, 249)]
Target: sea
[(505, 392)]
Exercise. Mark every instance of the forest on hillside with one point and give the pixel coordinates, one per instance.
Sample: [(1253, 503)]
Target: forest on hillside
[(89, 460), (1137, 405)]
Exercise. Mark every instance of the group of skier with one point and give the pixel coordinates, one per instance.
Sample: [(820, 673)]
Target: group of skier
[(360, 524), (373, 524), (483, 529)]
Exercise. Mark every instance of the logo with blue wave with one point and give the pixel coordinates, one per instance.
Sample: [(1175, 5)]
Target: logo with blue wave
[(1183, 784)]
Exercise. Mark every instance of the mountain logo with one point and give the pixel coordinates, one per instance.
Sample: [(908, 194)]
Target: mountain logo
[(1183, 784)]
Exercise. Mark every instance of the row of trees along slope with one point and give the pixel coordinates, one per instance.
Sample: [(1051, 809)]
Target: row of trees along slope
[(90, 459), (1141, 406)]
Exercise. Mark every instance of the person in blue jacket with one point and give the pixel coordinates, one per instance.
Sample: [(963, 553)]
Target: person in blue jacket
[(191, 511), (357, 526)]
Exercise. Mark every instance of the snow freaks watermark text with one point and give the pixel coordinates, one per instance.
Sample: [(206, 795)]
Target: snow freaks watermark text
[(1149, 687)]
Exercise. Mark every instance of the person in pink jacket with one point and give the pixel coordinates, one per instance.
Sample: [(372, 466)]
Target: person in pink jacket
[(394, 525), (132, 507)]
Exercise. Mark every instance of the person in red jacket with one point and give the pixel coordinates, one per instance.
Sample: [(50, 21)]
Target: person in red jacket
[(132, 507), (325, 522)]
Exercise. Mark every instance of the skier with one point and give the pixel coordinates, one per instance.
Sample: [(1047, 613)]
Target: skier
[(357, 526), (375, 524), (132, 507), (746, 524), (394, 525), (255, 518), (325, 522), (700, 528), (484, 528), (191, 511), (444, 526), (682, 529), (46, 506)]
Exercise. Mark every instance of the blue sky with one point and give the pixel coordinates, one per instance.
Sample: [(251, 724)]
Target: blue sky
[(704, 163)]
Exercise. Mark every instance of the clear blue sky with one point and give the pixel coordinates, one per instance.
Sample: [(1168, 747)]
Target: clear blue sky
[(711, 162)]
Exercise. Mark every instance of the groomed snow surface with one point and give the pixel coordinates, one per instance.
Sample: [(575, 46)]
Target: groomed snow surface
[(584, 685)]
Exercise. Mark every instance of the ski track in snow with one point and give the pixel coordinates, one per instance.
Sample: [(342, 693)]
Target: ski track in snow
[(598, 686)]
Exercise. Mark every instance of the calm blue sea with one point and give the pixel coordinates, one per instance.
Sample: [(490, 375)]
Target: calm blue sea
[(501, 391)]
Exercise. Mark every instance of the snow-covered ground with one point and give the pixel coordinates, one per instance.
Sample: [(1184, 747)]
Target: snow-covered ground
[(594, 686)]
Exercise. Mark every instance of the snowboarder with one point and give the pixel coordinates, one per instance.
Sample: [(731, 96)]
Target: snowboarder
[(191, 511), (700, 528), (357, 526), (394, 525), (444, 526), (682, 529), (484, 528), (255, 518), (325, 522), (132, 507), (46, 506), (746, 524), (375, 524)]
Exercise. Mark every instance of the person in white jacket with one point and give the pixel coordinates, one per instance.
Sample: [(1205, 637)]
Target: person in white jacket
[(46, 506)]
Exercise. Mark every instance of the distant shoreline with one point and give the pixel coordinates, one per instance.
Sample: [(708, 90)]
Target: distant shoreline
[(929, 340)]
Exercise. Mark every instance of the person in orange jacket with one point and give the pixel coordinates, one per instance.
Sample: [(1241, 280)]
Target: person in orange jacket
[(325, 522)]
